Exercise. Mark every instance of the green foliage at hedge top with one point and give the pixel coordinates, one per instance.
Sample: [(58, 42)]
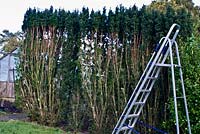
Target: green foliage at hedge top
[(151, 23)]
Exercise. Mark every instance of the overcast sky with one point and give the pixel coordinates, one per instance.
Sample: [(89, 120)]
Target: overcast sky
[(12, 11)]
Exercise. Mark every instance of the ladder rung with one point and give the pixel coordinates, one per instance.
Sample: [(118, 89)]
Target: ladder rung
[(124, 128), (152, 78), (132, 115), (163, 65), (180, 97), (177, 66), (167, 65), (145, 90), (139, 103)]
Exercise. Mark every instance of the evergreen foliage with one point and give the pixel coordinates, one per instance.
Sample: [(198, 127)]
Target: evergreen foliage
[(94, 61)]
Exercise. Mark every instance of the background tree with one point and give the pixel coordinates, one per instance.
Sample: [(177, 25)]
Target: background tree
[(10, 41)]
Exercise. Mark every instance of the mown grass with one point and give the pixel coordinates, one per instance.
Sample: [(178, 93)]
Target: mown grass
[(19, 127)]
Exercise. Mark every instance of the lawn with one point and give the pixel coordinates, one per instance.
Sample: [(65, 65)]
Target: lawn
[(19, 127)]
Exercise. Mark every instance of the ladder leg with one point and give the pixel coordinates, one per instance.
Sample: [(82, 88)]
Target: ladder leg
[(183, 89), (174, 88)]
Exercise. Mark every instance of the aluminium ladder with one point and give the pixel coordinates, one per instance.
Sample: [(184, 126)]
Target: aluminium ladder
[(139, 96)]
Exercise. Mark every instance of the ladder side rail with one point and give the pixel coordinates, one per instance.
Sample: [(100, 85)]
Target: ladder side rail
[(118, 126), (139, 111), (176, 32), (129, 104), (153, 63), (147, 85), (151, 86), (174, 88), (141, 78), (158, 71), (143, 98), (183, 88), (147, 74), (149, 81), (157, 74), (139, 83)]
